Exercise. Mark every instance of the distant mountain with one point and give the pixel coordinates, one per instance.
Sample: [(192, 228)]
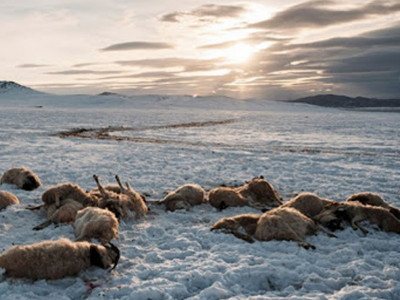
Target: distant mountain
[(330, 100), (11, 87), (110, 94)]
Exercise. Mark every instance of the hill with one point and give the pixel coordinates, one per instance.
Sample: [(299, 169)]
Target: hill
[(11, 87), (330, 100)]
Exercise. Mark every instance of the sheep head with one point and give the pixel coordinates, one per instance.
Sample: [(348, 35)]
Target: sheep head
[(104, 256)]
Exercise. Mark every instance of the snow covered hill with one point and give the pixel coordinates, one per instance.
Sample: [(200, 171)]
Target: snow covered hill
[(9, 88)]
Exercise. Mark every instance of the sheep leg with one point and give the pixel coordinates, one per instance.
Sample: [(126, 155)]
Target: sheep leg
[(58, 203), (43, 225), (101, 189), (34, 207), (357, 225), (243, 236), (293, 236), (327, 232), (119, 183), (305, 245), (128, 186)]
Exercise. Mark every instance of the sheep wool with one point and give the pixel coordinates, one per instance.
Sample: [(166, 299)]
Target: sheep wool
[(56, 259)]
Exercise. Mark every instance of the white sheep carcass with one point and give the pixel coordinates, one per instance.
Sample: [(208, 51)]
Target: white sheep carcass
[(96, 223)]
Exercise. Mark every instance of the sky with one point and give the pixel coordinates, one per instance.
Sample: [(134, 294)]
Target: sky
[(248, 49)]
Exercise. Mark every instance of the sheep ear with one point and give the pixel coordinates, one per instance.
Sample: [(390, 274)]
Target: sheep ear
[(95, 257)]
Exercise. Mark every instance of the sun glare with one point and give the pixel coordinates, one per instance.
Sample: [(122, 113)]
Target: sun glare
[(239, 53)]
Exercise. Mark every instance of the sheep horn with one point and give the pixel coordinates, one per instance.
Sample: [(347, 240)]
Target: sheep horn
[(116, 250)]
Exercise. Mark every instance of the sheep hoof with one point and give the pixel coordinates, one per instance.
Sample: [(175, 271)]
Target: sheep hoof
[(307, 246)]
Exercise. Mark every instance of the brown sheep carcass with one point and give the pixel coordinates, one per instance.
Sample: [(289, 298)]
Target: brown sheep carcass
[(184, 197), (288, 224), (7, 199), (57, 259), (22, 177), (258, 193), (367, 198), (237, 224)]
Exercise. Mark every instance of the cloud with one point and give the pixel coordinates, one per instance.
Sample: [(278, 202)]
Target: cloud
[(386, 37), (253, 39), (142, 75), (27, 66), (205, 12), (83, 72), (137, 46), (314, 14), (375, 61), (186, 64), (365, 64)]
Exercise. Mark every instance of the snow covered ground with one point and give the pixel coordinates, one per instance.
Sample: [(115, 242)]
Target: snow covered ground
[(173, 255)]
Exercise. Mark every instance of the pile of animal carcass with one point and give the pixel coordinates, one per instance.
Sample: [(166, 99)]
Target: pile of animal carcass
[(95, 215)]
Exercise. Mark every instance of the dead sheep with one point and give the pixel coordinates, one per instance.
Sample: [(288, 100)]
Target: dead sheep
[(121, 204), (138, 201), (312, 206), (60, 192), (22, 177), (95, 193), (96, 223), (354, 212), (62, 202), (65, 213), (288, 224), (57, 259), (237, 224), (7, 199), (373, 199), (258, 193), (184, 197)]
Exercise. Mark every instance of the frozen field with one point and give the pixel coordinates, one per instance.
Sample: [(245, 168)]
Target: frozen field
[(333, 153)]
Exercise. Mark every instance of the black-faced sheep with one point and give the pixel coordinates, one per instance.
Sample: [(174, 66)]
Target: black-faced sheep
[(184, 197), (286, 224), (7, 199), (373, 199), (354, 213), (57, 259), (236, 224), (312, 206), (96, 223), (22, 177), (258, 193)]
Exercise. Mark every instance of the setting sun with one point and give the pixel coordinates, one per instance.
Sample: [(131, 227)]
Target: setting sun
[(239, 53)]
